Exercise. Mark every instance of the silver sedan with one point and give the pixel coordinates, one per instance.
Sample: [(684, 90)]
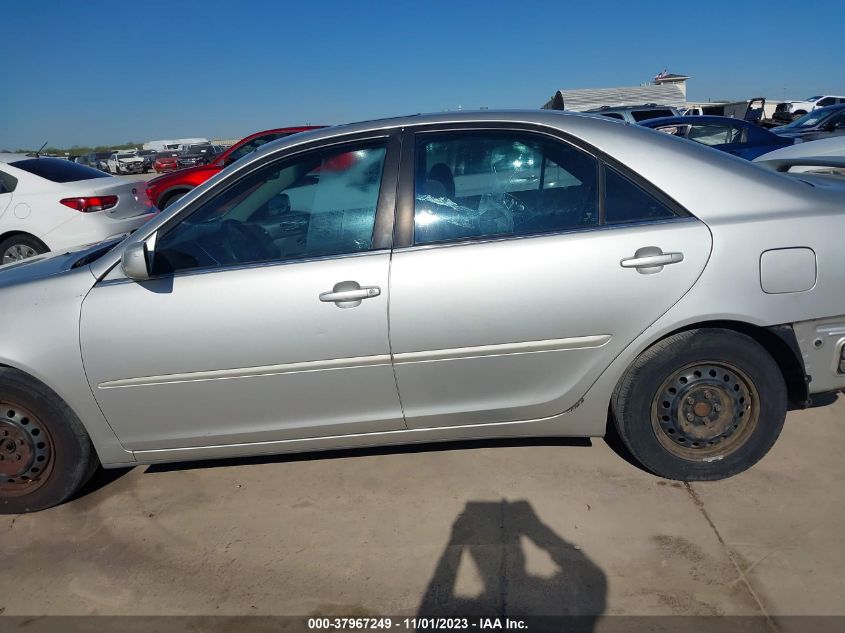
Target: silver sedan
[(431, 278)]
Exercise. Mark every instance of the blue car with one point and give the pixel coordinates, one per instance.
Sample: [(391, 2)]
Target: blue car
[(734, 136)]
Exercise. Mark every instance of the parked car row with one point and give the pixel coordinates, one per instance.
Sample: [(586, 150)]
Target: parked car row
[(135, 161), (741, 137)]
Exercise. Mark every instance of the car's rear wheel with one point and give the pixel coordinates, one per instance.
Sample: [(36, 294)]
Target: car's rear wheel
[(45, 453), (173, 197), (701, 405), (19, 247)]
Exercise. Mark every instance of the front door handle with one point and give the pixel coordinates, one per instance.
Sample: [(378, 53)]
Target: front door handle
[(651, 259), (348, 294)]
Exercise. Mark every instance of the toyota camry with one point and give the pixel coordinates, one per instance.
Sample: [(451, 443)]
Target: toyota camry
[(430, 278)]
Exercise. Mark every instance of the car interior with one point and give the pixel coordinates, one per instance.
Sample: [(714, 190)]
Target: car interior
[(317, 205), (469, 187)]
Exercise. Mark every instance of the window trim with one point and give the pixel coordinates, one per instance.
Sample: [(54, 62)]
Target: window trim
[(403, 231), (9, 182), (381, 239)]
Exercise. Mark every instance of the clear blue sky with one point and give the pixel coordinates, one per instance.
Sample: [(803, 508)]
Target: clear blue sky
[(96, 72)]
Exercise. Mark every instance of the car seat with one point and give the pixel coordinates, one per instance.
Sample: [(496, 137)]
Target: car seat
[(442, 175)]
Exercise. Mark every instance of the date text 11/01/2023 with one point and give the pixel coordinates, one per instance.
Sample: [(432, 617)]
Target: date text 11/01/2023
[(416, 624)]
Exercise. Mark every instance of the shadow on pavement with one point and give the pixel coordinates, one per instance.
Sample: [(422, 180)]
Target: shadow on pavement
[(365, 452), (824, 399), (101, 478), (494, 538)]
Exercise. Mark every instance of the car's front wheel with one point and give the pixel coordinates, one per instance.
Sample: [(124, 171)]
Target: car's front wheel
[(701, 405), (45, 453), (18, 247)]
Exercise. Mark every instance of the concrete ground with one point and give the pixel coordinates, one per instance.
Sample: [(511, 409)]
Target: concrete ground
[(515, 528)]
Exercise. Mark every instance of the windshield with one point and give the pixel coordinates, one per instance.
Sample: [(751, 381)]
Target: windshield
[(813, 98), (811, 119)]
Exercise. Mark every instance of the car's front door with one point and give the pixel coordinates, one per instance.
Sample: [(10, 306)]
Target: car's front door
[(245, 336), (515, 282)]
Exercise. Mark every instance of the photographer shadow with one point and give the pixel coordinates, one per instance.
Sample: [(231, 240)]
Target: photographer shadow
[(494, 538)]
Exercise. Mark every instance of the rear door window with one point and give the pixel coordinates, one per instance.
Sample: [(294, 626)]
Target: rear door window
[(58, 170), (7, 182), (485, 184), (644, 115), (624, 201)]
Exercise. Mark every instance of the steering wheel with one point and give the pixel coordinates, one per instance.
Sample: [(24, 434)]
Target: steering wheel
[(247, 242)]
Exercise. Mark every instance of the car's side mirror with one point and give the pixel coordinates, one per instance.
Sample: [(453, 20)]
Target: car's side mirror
[(831, 127), (228, 161), (136, 261)]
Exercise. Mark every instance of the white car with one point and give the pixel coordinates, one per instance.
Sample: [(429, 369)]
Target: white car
[(125, 163), (50, 204), (791, 110)]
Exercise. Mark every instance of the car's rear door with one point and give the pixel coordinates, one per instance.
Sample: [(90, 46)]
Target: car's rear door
[(7, 186), (242, 337), (523, 265)]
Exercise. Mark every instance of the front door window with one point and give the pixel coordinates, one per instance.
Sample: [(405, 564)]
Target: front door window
[(314, 205)]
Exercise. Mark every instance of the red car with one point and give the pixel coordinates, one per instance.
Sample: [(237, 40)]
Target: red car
[(165, 161), (167, 189)]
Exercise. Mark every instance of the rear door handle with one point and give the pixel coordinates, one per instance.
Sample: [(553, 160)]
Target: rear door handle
[(348, 294), (651, 259)]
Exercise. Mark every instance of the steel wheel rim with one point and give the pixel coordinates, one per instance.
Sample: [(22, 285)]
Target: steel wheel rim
[(17, 252), (713, 407), (27, 451)]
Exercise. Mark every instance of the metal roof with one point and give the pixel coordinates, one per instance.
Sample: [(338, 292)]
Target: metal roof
[(591, 98)]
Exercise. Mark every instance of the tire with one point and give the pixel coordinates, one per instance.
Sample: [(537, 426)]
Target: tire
[(20, 247), (172, 198), (726, 398), (54, 456)]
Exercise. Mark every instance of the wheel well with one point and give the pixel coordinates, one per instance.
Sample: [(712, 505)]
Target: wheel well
[(780, 342), (9, 234), (167, 195)]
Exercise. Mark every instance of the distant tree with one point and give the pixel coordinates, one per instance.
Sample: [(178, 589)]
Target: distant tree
[(77, 150)]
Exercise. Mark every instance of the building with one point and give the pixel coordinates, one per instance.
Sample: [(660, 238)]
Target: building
[(671, 79), (665, 89)]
